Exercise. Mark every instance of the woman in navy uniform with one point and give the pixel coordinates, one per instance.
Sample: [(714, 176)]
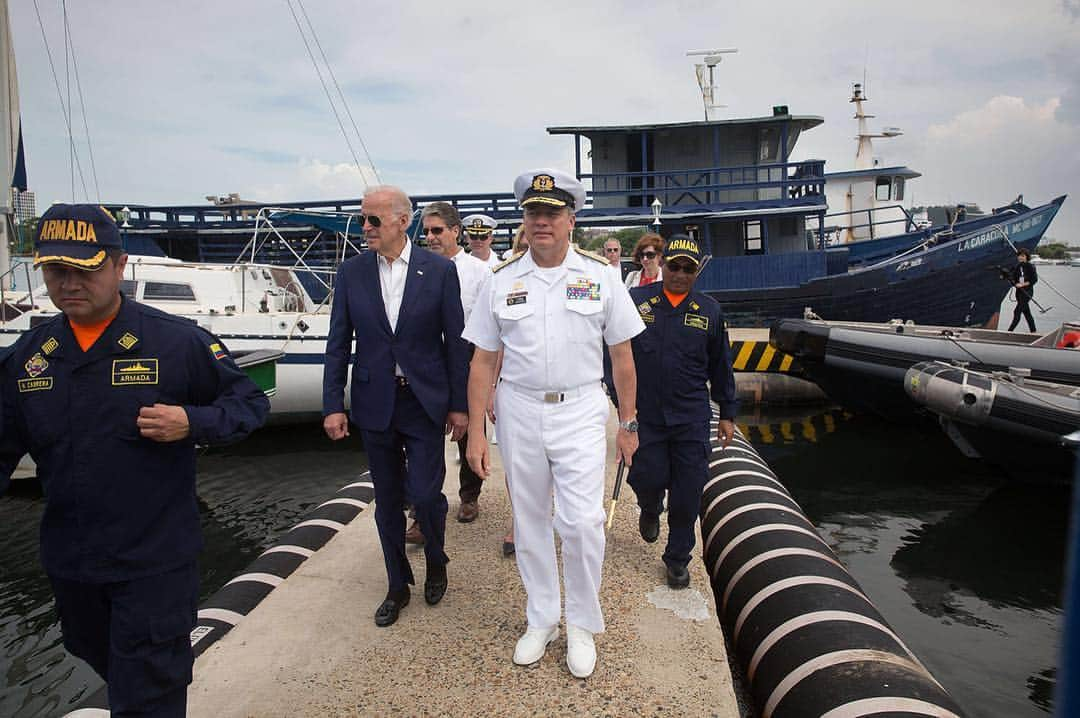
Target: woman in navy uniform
[(110, 398), (682, 358)]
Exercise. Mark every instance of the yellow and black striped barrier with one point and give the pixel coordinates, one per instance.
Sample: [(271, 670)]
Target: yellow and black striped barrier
[(807, 429), (761, 356)]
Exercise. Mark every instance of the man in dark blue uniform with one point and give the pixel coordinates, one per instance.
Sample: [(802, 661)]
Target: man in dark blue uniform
[(110, 398), (682, 359)]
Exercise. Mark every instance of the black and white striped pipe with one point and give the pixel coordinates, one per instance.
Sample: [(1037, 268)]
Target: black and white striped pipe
[(807, 637), (238, 597)]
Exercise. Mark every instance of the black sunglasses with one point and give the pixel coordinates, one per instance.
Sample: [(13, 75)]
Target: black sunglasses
[(372, 219), (676, 267), (434, 230), (611, 249), (648, 255)]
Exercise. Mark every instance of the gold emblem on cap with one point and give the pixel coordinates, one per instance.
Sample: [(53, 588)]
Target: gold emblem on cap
[(128, 340), (478, 222), (543, 183)]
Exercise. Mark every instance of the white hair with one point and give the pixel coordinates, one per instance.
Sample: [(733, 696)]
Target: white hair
[(399, 201)]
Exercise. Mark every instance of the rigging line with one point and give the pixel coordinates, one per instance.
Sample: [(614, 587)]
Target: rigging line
[(67, 75), (59, 95), (344, 102), (1044, 280), (86, 126), (333, 107)]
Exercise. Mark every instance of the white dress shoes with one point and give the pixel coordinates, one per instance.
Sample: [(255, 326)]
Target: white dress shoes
[(580, 651), (531, 646)]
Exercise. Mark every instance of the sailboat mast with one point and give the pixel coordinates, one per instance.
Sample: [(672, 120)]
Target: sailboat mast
[(9, 139)]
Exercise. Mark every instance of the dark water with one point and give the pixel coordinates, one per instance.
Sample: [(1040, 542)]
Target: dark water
[(966, 566), (249, 494)]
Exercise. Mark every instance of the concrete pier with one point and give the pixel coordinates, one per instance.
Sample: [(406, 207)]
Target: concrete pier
[(311, 647)]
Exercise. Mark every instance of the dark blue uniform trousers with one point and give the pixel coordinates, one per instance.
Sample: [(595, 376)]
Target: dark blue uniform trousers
[(408, 466), (137, 635), (672, 459)]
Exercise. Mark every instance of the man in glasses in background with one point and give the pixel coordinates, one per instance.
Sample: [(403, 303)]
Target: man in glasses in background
[(442, 229), (402, 305), (613, 253), (682, 358), (480, 229)]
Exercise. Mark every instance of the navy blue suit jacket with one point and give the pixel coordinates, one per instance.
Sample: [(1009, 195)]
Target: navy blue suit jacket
[(427, 344)]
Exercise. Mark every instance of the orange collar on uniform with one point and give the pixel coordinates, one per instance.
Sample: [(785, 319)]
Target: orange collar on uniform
[(675, 299), (87, 334)]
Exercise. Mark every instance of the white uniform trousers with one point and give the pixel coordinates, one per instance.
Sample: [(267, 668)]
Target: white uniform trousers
[(558, 447)]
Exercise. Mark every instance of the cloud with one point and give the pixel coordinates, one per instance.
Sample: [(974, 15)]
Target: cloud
[(1007, 146), (316, 179)]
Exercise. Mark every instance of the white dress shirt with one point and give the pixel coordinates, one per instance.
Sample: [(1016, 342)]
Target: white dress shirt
[(392, 277), (471, 272)]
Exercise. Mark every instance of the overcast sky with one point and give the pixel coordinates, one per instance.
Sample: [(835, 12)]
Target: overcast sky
[(192, 97)]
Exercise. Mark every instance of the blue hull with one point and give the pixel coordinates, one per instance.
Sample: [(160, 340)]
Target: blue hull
[(957, 283)]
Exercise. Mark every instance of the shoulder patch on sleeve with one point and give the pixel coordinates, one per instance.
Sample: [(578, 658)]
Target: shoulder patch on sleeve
[(508, 262), (590, 255), (218, 351)]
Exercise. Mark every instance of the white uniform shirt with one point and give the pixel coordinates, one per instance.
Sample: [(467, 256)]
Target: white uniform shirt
[(492, 261), (552, 322), (392, 283), (471, 272)]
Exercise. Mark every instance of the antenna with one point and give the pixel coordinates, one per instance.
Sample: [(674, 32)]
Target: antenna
[(708, 87)]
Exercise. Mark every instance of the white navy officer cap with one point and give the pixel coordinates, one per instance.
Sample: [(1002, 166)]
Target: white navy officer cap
[(551, 187), (479, 225)]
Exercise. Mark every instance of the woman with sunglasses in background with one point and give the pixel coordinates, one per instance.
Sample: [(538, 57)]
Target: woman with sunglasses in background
[(646, 253)]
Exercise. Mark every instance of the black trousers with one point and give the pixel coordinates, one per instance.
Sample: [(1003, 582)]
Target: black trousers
[(470, 482), (136, 635), (1023, 300)]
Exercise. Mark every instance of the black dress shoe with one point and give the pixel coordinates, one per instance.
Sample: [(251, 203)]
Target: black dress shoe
[(678, 576), (435, 585), (649, 526), (387, 612)]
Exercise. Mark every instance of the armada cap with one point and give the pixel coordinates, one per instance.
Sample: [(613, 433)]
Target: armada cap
[(680, 245), (479, 226), (76, 235), (554, 188)]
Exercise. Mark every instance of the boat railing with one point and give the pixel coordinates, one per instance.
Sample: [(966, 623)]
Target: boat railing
[(13, 303), (785, 182), (872, 222)]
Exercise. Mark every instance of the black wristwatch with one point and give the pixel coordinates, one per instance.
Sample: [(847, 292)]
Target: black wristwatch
[(629, 426)]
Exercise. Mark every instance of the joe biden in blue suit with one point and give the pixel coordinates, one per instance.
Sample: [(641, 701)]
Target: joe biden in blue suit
[(401, 305)]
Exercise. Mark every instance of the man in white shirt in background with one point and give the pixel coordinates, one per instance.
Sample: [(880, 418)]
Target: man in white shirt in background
[(480, 229), (442, 230)]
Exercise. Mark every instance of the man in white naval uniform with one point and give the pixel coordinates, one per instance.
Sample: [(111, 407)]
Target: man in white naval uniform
[(550, 310), (479, 228)]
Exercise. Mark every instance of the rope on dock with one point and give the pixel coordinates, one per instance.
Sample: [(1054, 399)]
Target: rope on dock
[(238, 597), (807, 637)]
